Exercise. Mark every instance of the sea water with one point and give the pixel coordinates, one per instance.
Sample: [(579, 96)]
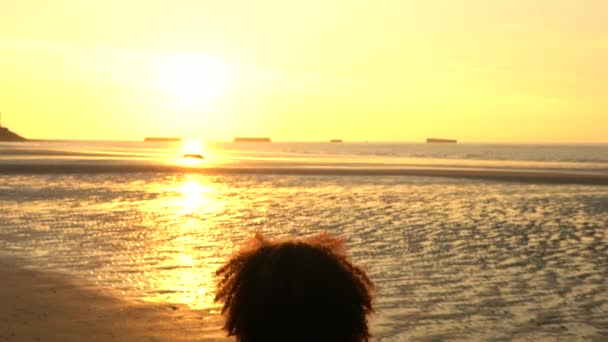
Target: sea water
[(451, 258)]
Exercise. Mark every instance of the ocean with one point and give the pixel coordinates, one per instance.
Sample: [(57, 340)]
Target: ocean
[(463, 241)]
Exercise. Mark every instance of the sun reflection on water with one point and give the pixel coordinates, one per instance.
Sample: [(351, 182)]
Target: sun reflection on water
[(194, 196), (185, 281), (188, 245), (184, 197)]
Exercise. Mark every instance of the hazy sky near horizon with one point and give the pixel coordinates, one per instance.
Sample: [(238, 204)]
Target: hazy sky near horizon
[(390, 70)]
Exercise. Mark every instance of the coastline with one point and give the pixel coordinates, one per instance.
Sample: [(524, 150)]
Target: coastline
[(44, 306), (7, 136)]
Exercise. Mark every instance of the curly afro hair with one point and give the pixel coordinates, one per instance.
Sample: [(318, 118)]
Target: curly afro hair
[(294, 290)]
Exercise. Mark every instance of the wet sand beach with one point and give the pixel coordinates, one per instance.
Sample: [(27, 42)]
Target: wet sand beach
[(509, 243), (40, 306)]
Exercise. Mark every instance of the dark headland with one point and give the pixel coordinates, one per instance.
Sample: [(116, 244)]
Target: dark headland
[(7, 135), (335, 141)]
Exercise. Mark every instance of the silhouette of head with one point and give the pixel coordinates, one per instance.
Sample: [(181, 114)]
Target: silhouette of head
[(294, 290)]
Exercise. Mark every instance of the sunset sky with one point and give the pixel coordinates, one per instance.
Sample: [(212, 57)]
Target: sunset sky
[(377, 70)]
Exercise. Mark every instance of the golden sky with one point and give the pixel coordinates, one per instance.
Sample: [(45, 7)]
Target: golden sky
[(377, 70)]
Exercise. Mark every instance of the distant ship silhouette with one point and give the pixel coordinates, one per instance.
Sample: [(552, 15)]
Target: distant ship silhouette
[(444, 141), (193, 155), (247, 139), (155, 139)]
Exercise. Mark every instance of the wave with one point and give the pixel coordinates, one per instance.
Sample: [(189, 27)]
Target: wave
[(511, 175)]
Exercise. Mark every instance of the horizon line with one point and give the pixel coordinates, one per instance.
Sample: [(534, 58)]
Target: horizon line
[(344, 141)]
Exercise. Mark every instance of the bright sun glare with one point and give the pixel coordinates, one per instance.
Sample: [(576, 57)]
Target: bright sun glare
[(192, 80), (192, 147)]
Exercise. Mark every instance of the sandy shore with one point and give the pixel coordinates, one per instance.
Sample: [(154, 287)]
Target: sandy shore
[(39, 306)]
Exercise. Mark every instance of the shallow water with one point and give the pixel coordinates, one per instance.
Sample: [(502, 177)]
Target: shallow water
[(451, 259), (588, 158)]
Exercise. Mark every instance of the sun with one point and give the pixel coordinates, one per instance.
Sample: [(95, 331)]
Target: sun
[(192, 80)]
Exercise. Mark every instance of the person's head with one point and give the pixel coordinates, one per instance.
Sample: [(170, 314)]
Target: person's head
[(295, 290)]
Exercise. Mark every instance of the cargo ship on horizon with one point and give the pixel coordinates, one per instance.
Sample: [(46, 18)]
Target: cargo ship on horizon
[(249, 139), (441, 141), (161, 139)]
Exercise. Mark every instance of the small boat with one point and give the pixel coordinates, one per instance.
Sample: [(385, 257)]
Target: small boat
[(193, 155), (335, 141)]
